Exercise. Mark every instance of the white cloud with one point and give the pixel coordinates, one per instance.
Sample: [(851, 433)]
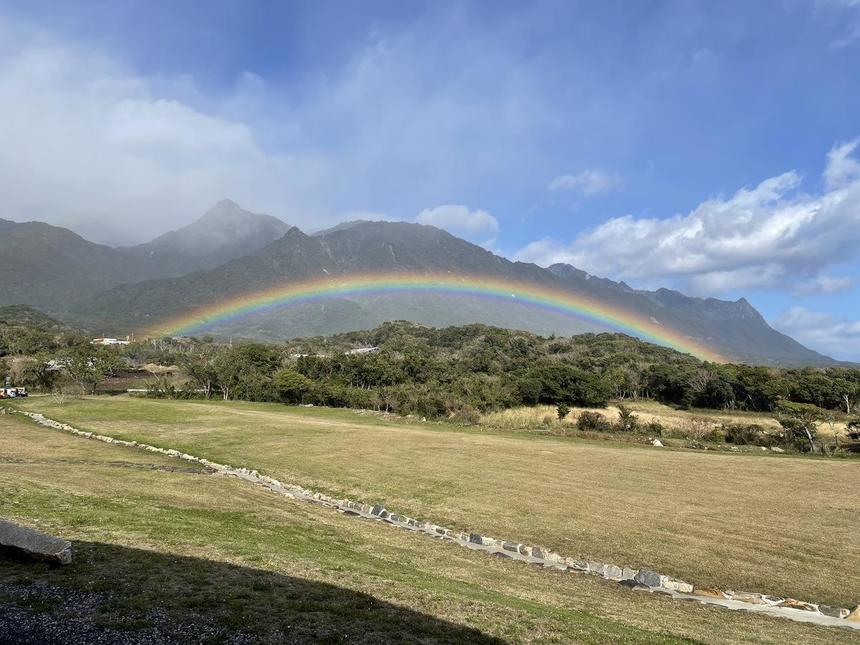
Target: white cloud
[(86, 140), (589, 182), (544, 252), (841, 169), (459, 220), (823, 284), (90, 143), (834, 336), (771, 235)]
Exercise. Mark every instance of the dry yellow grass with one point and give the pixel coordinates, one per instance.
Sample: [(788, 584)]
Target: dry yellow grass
[(778, 524), (675, 421), (213, 548)]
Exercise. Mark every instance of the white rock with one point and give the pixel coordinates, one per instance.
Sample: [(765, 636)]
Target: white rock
[(677, 585)]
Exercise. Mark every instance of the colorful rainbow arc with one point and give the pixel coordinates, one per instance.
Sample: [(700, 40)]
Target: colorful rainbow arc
[(527, 294)]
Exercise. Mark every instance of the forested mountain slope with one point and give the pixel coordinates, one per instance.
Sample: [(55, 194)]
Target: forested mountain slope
[(734, 329)]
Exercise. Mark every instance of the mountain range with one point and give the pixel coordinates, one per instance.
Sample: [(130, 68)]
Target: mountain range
[(230, 252)]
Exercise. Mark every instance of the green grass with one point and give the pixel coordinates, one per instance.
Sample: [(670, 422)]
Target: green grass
[(218, 552), (774, 524)]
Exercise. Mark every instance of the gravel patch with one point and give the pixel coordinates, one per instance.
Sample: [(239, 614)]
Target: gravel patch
[(69, 617)]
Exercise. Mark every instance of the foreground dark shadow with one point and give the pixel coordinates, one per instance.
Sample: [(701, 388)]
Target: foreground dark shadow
[(113, 594)]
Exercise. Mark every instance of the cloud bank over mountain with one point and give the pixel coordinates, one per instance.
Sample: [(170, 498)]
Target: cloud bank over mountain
[(91, 143), (88, 143), (476, 226)]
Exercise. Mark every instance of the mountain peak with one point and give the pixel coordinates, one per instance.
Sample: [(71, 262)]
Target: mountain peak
[(226, 203), (226, 221), (564, 270), (224, 210), (224, 232)]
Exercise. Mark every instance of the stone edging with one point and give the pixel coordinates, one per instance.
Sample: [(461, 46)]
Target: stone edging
[(638, 579)]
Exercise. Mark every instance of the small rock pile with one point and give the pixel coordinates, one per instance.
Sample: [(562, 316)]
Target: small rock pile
[(639, 579)]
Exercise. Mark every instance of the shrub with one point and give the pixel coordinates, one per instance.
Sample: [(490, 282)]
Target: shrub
[(593, 421), (161, 388), (697, 428), (745, 434), (654, 428), (563, 410), (466, 416)]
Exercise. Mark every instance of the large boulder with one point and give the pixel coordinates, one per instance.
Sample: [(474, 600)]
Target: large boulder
[(23, 542), (649, 578)]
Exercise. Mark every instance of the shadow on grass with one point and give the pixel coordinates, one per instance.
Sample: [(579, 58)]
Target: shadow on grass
[(117, 594)]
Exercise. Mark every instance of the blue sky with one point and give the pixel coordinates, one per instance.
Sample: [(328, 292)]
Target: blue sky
[(703, 146)]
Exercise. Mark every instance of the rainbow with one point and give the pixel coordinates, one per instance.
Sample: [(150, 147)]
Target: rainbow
[(380, 284)]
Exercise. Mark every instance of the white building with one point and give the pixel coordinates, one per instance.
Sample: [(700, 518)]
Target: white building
[(109, 341)]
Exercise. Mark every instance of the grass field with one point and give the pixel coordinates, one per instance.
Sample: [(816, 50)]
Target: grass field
[(213, 555), (776, 524)]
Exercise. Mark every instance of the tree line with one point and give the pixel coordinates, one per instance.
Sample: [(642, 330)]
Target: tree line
[(411, 369)]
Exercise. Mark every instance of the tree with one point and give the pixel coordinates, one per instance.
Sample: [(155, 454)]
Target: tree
[(21, 340), (697, 381), (564, 383), (849, 392), (89, 365), (562, 410), (201, 371), (529, 389), (291, 386), (245, 372), (800, 422), (670, 383), (624, 382), (39, 372)]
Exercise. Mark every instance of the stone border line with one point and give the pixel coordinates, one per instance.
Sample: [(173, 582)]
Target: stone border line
[(637, 579)]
